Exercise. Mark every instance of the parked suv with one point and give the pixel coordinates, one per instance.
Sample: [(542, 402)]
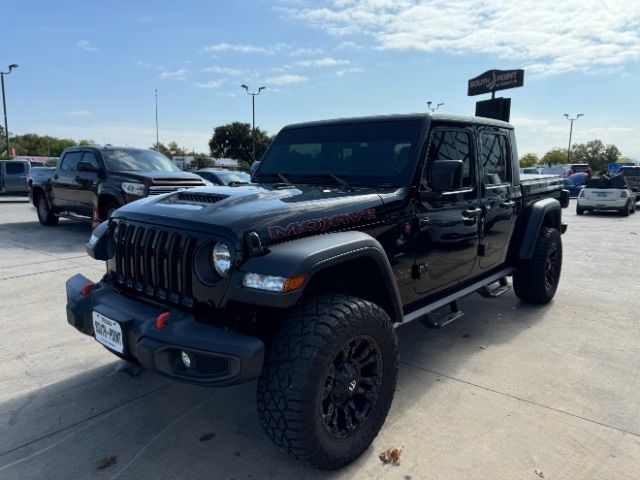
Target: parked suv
[(92, 182), (354, 228)]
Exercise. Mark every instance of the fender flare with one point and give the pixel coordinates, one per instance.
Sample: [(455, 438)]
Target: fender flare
[(538, 211), (308, 256)]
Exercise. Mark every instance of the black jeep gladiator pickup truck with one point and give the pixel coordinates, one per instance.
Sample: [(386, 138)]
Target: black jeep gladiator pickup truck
[(352, 228), (94, 181)]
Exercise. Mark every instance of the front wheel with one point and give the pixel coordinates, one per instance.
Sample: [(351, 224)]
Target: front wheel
[(536, 280), (328, 379), (45, 214)]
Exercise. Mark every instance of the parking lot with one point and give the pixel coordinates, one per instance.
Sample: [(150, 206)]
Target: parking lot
[(509, 391)]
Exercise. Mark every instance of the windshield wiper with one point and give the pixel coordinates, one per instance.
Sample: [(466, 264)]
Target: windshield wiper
[(341, 181), (283, 178)]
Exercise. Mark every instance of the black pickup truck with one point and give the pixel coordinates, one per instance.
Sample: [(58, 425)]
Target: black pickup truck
[(353, 228), (94, 181)]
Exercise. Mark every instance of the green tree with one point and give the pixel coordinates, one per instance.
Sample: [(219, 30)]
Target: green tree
[(43, 145), (201, 161), (172, 149), (596, 154), (234, 140), (555, 156), (529, 160)]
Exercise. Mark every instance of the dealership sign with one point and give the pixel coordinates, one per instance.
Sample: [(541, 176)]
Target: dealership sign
[(493, 80)]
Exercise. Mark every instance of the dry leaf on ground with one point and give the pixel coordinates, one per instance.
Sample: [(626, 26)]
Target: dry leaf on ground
[(391, 455)]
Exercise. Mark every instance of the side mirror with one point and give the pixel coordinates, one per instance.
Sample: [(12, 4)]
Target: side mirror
[(86, 167), (446, 175)]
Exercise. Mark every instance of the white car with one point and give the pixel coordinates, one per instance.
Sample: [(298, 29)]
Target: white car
[(593, 197)]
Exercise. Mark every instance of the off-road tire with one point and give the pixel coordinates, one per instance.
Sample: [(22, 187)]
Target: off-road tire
[(45, 214), (536, 280), (107, 209), (294, 386)]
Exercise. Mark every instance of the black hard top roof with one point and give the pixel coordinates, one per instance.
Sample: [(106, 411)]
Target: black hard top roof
[(422, 117)]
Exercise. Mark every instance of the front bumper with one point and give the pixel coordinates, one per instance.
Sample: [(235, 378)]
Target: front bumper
[(218, 357)]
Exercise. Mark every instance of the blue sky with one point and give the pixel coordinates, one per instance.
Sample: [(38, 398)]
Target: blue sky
[(89, 69)]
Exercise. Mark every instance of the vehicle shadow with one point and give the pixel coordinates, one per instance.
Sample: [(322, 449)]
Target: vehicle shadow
[(142, 425)]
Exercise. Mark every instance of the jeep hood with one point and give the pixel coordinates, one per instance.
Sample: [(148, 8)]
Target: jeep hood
[(275, 213)]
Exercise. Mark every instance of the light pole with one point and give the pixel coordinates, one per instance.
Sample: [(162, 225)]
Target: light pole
[(253, 110), (429, 103), (571, 132), (157, 138), (4, 105)]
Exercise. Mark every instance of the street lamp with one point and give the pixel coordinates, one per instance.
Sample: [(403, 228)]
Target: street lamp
[(253, 109), (429, 103), (571, 132), (4, 105)]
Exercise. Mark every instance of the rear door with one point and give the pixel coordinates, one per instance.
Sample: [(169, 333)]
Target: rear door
[(497, 201), (447, 241), (15, 178)]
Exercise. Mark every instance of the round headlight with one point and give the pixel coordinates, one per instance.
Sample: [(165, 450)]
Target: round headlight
[(221, 257)]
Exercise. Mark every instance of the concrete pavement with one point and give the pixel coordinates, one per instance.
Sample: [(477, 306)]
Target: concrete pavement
[(509, 391)]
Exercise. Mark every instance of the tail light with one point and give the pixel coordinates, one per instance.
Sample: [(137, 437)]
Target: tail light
[(623, 194), (581, 193)]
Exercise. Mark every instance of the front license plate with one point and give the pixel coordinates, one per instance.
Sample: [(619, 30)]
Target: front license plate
[(108, 332)]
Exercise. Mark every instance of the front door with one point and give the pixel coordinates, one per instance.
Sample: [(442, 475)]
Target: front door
[(63, 183), (448, 237), (497, 202)]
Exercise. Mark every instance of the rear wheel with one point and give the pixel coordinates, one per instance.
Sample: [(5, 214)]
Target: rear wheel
[(328, 379), (626, 210), (536, 280), (45, 214), (580, 210)]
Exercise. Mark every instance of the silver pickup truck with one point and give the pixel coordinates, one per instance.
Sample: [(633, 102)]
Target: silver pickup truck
[(13, 175)]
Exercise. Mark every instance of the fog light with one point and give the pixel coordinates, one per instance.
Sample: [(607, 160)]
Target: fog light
[(186, 359)]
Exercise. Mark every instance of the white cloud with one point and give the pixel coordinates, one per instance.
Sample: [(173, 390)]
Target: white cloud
[(79, 113), (348, 71), (545, 36), (322, 62), (179, 74), (348, 45), (286, 79), (86, 46), (225, 47), (211, 84), (301, 52), (127, 134), (223, 70), (140, 63)]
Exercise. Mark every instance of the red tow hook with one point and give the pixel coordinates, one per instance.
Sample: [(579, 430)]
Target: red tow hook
[(161, 320), (86, 289)]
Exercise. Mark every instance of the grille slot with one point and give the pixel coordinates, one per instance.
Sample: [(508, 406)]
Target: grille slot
[(155, 262)]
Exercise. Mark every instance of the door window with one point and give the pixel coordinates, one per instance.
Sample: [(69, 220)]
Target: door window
[(70, 161), (14, 168), (451, 145), (494, 159)]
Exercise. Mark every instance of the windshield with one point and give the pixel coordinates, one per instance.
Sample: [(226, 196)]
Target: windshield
[(360, 153), (132, 160)]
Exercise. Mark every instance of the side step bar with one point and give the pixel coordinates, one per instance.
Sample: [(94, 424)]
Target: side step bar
[(450, 300), (503, 287), (432, 320)]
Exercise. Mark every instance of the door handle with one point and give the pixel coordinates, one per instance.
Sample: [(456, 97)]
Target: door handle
[(508, 204)]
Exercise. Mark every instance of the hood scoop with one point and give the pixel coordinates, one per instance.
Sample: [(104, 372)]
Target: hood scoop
[(197, 198)]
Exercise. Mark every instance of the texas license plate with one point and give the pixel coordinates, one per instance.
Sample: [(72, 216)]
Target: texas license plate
[(108, 332)]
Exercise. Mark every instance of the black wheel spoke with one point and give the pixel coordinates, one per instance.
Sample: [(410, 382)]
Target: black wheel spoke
[(352, 386)]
